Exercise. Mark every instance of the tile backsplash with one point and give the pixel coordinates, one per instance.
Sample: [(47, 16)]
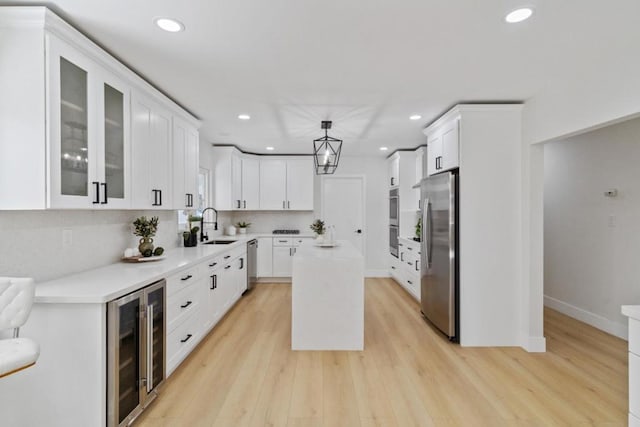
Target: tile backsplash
[(32, 242), (267, 221)]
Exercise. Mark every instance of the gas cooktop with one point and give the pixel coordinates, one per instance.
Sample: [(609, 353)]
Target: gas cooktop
[(286, 231)]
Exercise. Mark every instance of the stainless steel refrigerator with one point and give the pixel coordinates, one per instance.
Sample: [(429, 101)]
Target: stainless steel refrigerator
[(439, 244)]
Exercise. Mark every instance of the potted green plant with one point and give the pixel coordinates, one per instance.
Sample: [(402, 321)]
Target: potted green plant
[(242, 227), (190, 237), (146, 229), (318, 228)]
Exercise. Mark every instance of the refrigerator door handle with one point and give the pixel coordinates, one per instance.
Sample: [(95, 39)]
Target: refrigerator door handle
[(149, 348), (428, 228)]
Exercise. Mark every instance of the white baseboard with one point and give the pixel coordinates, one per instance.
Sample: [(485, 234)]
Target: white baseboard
[(617, 329), (535, 344), (377, 273)]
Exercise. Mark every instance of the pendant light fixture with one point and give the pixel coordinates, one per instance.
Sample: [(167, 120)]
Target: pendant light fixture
[(326, 151)]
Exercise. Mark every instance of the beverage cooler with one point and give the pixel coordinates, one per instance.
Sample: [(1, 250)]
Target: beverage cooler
[(136, 325)]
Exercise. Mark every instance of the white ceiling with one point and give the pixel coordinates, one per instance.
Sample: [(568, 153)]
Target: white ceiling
[(365, 64)]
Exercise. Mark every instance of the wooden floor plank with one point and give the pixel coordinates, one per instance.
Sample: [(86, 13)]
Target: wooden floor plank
[(245, 374)]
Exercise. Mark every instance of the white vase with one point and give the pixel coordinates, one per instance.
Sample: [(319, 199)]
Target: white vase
[(242, 230), (231, 230), (320, 238)]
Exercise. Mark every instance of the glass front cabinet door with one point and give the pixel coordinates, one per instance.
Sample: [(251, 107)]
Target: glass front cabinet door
[(88, 116)]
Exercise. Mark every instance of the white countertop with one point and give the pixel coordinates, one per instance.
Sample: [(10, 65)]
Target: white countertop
[(632, 311), (344, 250), (106, 283)]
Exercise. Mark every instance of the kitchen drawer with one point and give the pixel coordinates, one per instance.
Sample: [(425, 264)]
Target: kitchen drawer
[(634, 421), (213, 263), (299, 241), (634, 384), (411, 283), (183, 279), (283, 241), (182, 303), (182, 339), (634, 336)]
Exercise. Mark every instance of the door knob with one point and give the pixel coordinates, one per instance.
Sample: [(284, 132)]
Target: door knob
[(359, 231)]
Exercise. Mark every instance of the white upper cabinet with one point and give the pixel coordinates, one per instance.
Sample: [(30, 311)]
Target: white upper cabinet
[(286, 183), (236, 179), (88, 132), (273, 183), (443, 147), (300, 183), (71, 105), (151, 154), (185, 164), (394, 170), (250, 182)]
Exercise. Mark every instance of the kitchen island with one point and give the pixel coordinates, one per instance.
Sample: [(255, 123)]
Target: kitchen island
[(328, 298)]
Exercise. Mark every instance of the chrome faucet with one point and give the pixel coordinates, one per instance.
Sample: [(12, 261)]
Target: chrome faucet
[(204, 236)]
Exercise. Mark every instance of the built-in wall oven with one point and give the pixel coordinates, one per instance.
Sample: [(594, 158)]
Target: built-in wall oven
[(393, 240), (136, 325), (394, 207), (394, 221)]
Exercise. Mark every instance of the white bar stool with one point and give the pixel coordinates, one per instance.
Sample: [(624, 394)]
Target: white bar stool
[(16, 300)]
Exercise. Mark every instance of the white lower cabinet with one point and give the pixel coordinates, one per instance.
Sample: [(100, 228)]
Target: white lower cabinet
[(284, 248), (634, 384), (198, 297), (265, 257), (406, 268)]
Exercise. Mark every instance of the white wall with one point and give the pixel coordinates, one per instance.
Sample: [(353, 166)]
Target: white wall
[(31, 241), (592, 242)]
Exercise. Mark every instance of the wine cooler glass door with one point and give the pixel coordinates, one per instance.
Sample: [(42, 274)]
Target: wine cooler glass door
[(155, 342), (125, 363)]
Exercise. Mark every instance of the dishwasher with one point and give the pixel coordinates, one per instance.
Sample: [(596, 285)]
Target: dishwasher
[(252, 264)]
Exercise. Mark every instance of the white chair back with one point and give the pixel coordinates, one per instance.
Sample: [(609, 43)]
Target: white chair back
[(16, 300)]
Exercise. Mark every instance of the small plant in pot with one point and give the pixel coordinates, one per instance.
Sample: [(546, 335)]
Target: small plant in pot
[(146, 229), (190, 237), (242, 227), (319, 228)]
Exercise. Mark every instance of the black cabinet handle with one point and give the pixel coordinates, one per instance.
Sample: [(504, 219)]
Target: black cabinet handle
[(227, 267), (213, 264), (392, 181), (417, 268), (409, 248), (401, 256), (187, 277), (106, 199), (160, 191), (186, 203), (187, 304), (227, 256), (214, 281), (245, 204), (155, 198), (392, 267), (97, 200), (241, 263), (187, 338), (283, 204), (238, 204), (410, 282)]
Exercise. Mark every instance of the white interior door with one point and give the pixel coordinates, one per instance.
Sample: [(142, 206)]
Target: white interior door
[(343, 207)]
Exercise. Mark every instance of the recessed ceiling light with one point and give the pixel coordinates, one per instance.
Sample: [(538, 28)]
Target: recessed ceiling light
[(170, 25), (383, 148), (415, 117), (270, 148), (518, 15), (244, 117)]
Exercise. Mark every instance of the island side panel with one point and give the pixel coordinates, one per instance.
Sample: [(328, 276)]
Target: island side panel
[(67, 385), (327, 304)]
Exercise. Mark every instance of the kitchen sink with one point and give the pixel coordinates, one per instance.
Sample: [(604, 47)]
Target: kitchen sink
[(219, 242)]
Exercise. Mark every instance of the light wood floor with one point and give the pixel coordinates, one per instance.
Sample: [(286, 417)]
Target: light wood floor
[(244, 374)]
